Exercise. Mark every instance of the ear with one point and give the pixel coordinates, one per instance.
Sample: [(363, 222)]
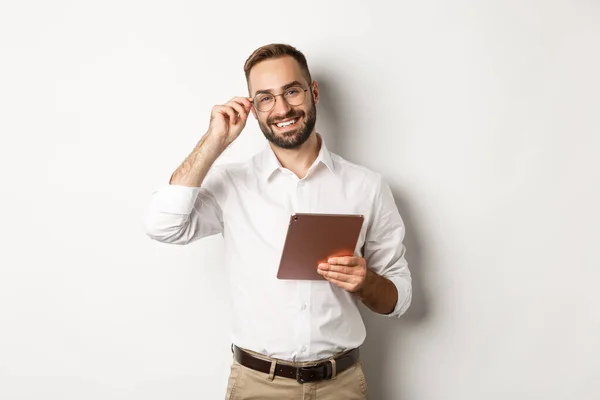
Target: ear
[(314, 87), (253, 109)]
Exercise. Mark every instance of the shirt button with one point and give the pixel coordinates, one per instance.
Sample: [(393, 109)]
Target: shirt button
[(303, 349), (303, 307)]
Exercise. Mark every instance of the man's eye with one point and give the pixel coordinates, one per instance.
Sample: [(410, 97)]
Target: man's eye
[(292, 91), (265, 99)]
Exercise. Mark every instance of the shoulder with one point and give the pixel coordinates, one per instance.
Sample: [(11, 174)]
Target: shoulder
[(234, 171), (356, 173)]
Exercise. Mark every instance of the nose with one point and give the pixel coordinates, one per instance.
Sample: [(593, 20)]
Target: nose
[(281, 106)]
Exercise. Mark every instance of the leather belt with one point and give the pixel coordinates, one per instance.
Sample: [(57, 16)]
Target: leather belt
[(323, 370)]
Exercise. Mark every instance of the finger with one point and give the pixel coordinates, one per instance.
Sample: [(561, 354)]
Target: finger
[(344, 285), (227, 111), (245, 101), (344, 260), (339, 268), (337, 276), (239, 108), (241, 105)]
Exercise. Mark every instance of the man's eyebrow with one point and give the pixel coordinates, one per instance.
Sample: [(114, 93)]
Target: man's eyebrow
[(284, 87)]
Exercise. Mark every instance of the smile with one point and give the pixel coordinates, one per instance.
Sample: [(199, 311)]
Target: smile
[(282, 124), (287, 123)]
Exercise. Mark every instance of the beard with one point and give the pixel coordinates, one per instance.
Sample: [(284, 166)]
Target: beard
[(294, 138)]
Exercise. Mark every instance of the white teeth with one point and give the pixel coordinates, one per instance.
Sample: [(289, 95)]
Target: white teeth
[(283, 124)]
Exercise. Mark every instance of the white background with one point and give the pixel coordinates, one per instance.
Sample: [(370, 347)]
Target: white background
[(482, 116)]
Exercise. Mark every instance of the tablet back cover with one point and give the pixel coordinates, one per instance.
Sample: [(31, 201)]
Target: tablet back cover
[(314, 238)]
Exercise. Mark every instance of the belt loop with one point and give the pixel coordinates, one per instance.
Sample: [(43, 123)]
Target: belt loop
[(272, 371), (333, 369)]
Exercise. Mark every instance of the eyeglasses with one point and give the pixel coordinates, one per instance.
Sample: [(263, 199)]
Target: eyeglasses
[(294, 96)]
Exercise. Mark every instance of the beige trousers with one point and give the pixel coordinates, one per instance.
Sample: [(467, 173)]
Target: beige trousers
[(246, 384)]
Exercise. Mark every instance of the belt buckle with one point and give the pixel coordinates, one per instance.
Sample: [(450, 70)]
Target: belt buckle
[(308, 374)]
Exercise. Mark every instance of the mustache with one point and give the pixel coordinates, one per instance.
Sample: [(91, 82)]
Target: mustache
[(291, 114)]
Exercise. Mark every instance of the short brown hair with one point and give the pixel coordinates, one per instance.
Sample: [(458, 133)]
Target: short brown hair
[(276, 50)]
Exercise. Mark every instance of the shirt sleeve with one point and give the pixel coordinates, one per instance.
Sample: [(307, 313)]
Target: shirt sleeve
[(181, 214), (384, 249)]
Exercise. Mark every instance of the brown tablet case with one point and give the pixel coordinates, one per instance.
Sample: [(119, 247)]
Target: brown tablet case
[(314, 238)]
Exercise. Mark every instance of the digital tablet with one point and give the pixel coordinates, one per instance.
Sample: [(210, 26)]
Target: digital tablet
[(314, 238)]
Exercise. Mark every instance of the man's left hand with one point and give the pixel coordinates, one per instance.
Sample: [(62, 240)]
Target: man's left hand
[(349, 273)]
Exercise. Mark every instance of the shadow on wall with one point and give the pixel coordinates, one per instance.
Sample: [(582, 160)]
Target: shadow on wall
[(381, 352)]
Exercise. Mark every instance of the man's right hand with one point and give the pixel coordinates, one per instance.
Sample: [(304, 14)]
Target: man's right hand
[(226, 123), (228, 120)]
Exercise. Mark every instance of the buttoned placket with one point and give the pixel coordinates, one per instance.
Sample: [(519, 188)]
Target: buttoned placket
[(301, 204)]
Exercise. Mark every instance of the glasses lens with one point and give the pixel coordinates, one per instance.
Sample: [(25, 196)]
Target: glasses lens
[(265, 101), (294, 96)]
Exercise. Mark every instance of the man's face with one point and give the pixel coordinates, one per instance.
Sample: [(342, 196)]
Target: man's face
[(275, 77)]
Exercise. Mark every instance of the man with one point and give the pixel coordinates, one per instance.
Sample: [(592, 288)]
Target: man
[(291, 339)]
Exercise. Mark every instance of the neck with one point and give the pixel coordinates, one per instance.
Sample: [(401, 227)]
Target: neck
[(299, 160)]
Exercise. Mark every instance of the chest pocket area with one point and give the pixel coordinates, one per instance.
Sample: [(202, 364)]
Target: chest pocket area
[(268, 224)]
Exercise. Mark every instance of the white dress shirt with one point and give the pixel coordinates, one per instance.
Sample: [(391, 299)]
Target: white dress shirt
[(250, 204)]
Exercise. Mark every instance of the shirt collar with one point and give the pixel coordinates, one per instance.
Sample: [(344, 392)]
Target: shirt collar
[(270, 163)]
